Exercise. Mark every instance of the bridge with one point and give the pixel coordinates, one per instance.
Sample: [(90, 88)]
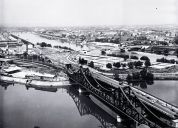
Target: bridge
[(139, 106), (49, 36), (23, 40)]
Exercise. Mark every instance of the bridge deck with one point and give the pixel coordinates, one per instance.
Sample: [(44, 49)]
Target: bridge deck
[(162, 106)]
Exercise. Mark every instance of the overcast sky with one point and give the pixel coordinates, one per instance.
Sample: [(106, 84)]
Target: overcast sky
[(87, 12)]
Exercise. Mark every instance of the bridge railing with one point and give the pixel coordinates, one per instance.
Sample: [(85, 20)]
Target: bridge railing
[(157, 100), (150, 97)]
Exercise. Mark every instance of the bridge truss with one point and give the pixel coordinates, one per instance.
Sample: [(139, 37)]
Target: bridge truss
[(122, 99)]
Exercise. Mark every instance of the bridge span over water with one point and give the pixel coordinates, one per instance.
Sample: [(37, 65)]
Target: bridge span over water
[(139, 106)]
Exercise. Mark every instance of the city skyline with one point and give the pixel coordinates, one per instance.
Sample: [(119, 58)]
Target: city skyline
[(25, 13)]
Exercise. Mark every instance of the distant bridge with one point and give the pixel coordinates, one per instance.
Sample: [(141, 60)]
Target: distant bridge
[(24, 41)]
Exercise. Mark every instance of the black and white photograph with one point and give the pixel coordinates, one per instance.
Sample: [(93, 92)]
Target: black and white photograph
[(88, 63)]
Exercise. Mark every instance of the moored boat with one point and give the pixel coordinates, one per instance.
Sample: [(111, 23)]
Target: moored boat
[(43, 88)]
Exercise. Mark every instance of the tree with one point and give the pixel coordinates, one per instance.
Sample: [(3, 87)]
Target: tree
[(144, 58), (126, 57), (85, 61), (129, 78), (130, 65), (164, 60), (116, 76), (147, 63), (176, 40), (49, 61), (25, 54), (79, 60), (91, 64), (42, 59), (138, 63), (143, 73), (123, 65), (43, 44), (143, 85), (136, 76), (49, 45), (103, 53), (143, 50), (2, 56), (166, 52), (172, 61), (117, 64), (82, 61), (134, 57), (176, 52), (122, 51), (150, 76), (109, 65)]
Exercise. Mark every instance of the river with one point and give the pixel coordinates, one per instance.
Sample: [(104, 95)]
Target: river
[(30, 108), (34, 38), (64, 107), (166, 90)]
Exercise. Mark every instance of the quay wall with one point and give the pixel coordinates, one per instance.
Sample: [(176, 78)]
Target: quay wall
[(157, 76), (165, 76)]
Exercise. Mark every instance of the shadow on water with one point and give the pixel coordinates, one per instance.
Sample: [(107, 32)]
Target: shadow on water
[(48, 89), (85, 106), (5, 84)]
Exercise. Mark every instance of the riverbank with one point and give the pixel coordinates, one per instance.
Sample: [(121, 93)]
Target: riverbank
[(40, 83), (19, 77)]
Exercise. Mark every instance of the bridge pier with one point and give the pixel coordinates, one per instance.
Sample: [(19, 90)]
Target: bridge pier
[(79, 90), (118, 119)]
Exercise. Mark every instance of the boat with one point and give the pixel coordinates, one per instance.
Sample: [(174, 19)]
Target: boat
[(45, 77), (42, 88), (10, 69)]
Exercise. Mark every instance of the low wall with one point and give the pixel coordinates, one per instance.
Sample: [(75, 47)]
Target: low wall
[(157, 76), (165, 76)]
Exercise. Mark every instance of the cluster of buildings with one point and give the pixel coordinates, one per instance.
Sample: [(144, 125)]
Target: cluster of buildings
[(12, 45), (121, 36)]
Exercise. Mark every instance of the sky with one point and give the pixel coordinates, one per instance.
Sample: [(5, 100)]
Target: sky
[(53, 13)]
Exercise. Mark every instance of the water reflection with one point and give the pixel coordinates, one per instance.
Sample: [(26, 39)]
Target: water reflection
[(142, 84), (48, 89), (164, 89), (5, 84), (85, 106)]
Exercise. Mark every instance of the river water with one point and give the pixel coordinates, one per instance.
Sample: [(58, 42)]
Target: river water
[(37, 39), (166, 90), (65, 108)]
